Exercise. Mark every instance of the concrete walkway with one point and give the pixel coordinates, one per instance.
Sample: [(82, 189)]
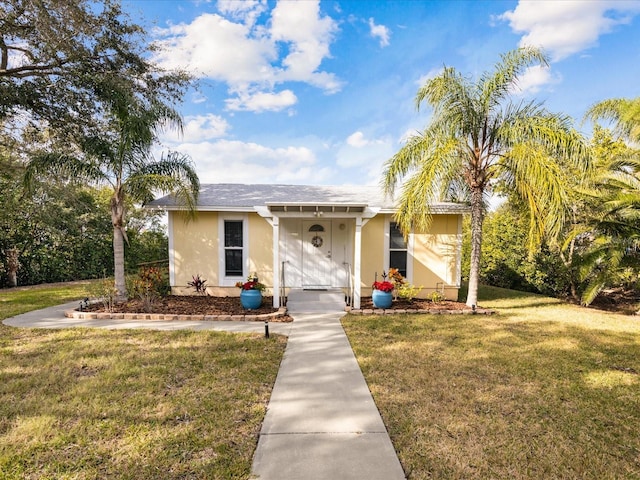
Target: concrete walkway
[(53, 317), (321, 422)]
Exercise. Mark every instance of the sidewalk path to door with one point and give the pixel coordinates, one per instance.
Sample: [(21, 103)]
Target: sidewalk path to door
[(322, 422)]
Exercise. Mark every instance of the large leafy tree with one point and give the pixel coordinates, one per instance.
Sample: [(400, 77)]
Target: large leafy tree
[(505, 263), (79, 70), (120, 156), (480, 136), (60, 232), (60, 59)]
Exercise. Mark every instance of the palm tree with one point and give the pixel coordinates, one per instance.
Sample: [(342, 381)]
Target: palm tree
[(611, 232), (625, 113), (610, 236), (479, 136), (120, 156)]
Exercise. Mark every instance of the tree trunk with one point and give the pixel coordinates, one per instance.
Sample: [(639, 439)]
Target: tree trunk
[(12, 266), (117, 218), (118, 265), (477, 217)]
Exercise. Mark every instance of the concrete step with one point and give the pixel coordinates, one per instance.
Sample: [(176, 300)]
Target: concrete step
[(303, 301)]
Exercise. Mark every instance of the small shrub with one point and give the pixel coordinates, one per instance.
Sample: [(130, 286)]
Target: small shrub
[(407, 291), (437, 297), (105, 291), (149, 285), (199, 284)]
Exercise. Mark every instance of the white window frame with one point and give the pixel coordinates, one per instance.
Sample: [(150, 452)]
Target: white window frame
[(225, 280), (387, 248)]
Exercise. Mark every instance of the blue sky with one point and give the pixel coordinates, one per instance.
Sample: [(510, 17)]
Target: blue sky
[(309, 92)]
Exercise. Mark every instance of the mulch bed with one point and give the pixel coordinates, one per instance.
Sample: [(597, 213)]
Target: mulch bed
[(366, 303), (206, 305), (193, 305), (618, 300)]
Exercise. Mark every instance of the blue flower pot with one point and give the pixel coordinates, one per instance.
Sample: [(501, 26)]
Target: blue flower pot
[(381, 299), (250, 299)]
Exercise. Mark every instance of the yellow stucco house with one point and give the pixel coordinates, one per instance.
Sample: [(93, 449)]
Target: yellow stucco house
[(307, 237)]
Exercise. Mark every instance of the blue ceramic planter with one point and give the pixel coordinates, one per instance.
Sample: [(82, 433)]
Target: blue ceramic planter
[(250, 299), (381, 299)]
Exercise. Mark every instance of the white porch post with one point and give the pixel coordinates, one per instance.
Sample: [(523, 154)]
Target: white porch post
[(357, 264), (275, 223), (172, 252)]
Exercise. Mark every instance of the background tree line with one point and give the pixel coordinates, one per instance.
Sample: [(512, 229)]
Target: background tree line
[(81, 106), (62, 232)]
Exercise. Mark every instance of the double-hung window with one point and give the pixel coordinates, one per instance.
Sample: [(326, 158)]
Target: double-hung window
[(233, 248), (397, 249)]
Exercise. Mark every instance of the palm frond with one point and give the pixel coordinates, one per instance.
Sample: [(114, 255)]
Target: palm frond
[(598, 267), (624, 113), (543, 186), (61, 166), (436, 161), (173, 173), (497, 85)]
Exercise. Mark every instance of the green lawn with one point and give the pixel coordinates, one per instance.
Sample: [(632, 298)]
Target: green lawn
[(24, 299), (539, 390), (94, 404)]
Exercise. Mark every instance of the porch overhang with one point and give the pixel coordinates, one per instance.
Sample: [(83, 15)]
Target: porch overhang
[(316, 209), (360, 213)]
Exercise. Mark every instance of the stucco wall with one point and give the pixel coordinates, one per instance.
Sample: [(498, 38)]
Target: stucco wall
[(433, 260), (260, 248), (435, 264), (195, 249), (372, 252)]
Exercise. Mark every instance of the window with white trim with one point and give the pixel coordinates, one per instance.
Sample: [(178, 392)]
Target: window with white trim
[(397, 249), (233, 248)]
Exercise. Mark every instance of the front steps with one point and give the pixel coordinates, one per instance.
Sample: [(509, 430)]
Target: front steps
[(315, 301)]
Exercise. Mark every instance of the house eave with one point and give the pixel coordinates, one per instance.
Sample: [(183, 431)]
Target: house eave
[(310, 209), (202, 208)]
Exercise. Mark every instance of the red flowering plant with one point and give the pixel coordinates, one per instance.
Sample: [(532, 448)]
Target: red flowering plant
[(383, 286), (252, 283)]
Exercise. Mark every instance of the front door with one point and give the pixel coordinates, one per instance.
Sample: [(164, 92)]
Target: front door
[(316, 253)]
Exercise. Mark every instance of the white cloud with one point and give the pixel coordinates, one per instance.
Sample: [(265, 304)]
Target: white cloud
[(199, 127), (262, 101), (214, 47), (567, 27), (534, 78), (357, 140), (247, 11), (231, 48), (379, 31), (308, 35), (198, 97), (365, 155), (243, 162)]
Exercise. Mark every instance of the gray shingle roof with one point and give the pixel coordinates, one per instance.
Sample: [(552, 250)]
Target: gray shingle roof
[(244, 197)]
